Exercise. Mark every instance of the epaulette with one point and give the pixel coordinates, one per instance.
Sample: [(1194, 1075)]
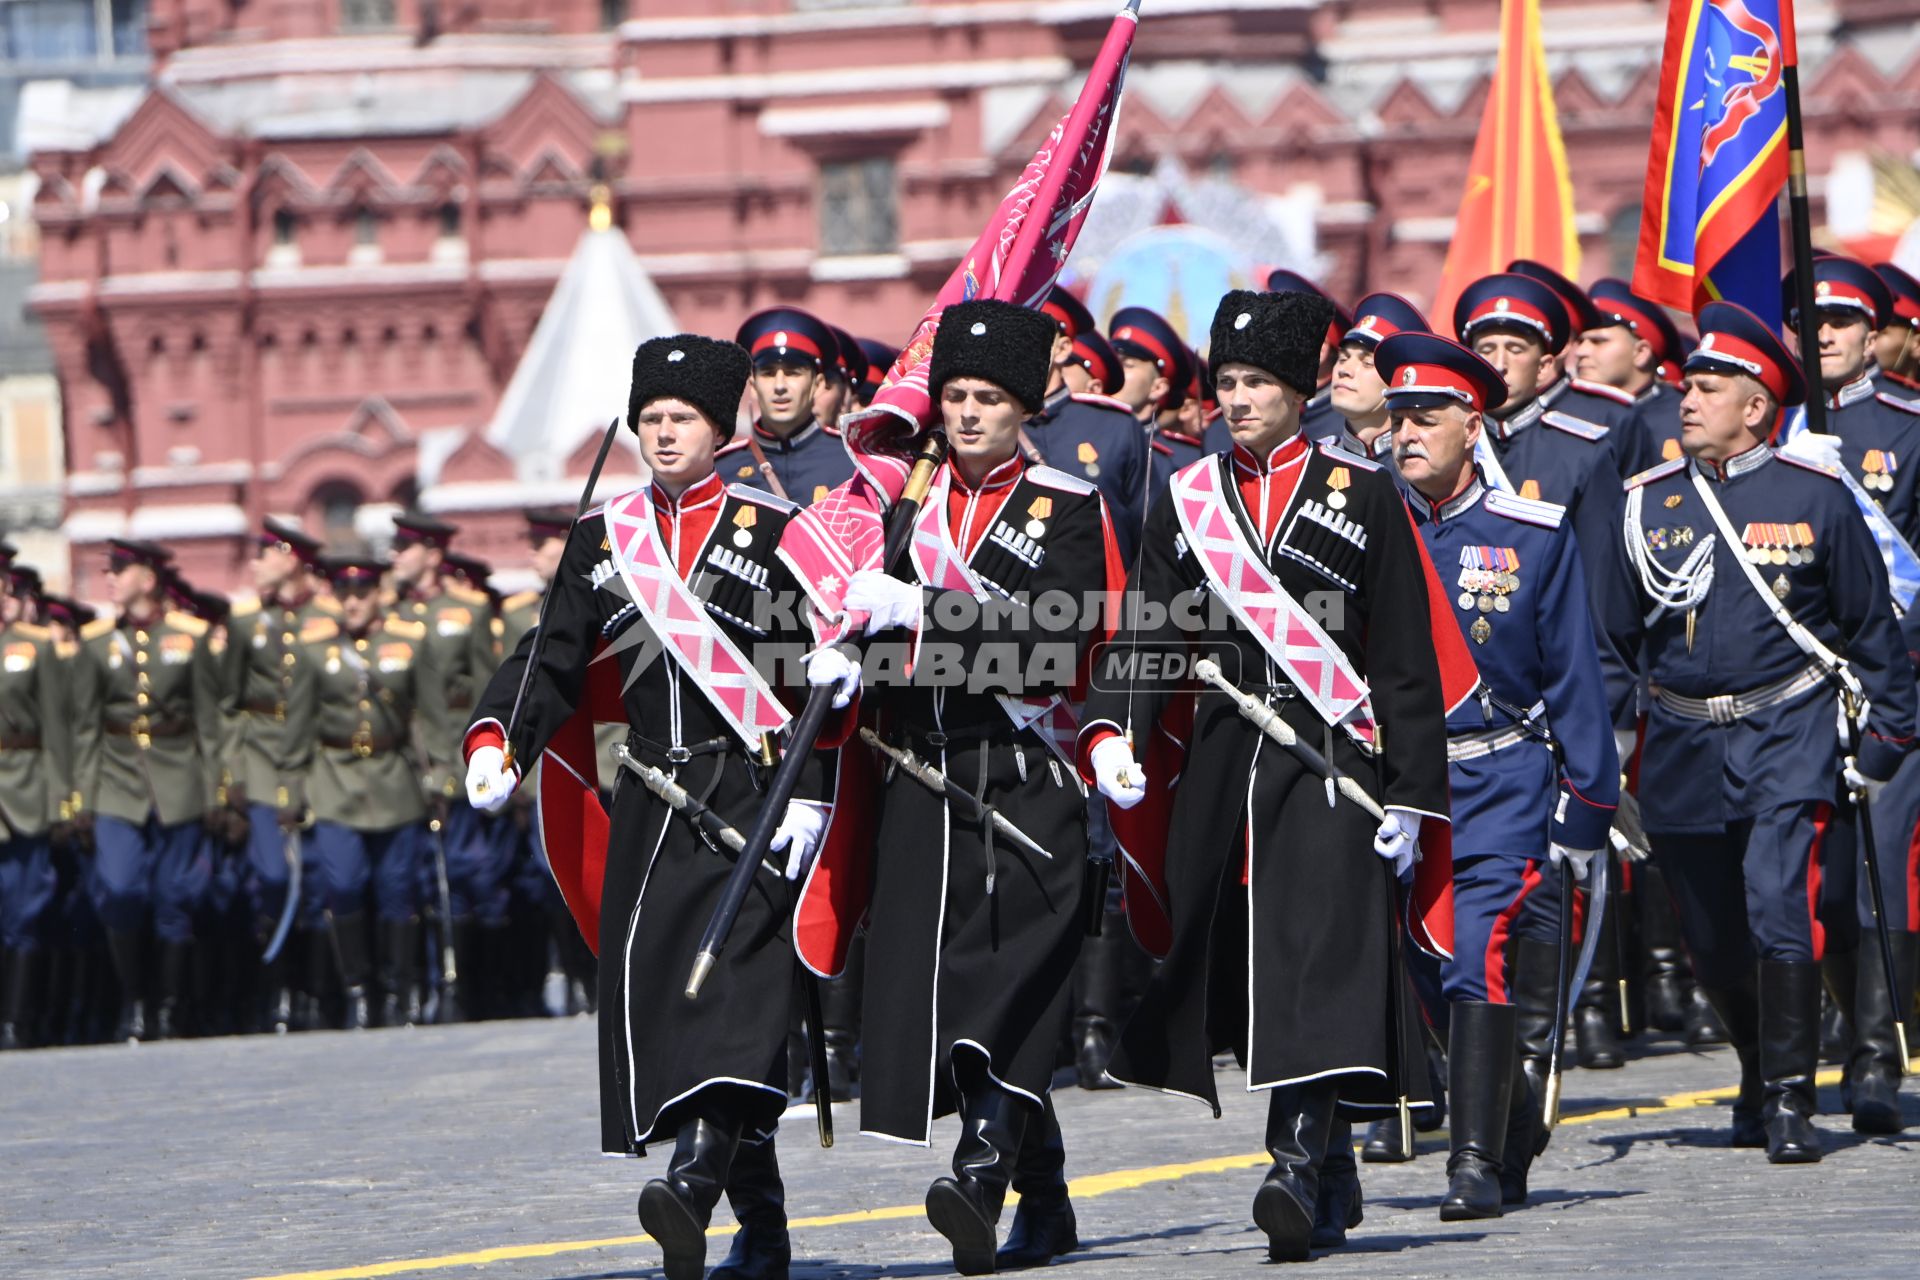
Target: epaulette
[(1804, 465), (498, 626), (761, 498), (314, 630), (1904, 406), (326, 604), (405, 630), (831, 428), (64, 649), (467, 595), (1654, 473), (1052, 479), (31, 631), (1548, 515), (1161, 447), (1346, 459), (244, 607), (97, 628), (1602, 390), (520, 599), (1103, 402), (732, 446), (1573, 426), (187, 622)]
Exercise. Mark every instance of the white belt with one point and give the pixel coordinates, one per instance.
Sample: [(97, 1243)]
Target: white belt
[(1725, 708), (1475, 745)]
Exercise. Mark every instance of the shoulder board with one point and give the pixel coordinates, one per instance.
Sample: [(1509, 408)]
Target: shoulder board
[(1654, 473), (465, 594), (1051, 479), (1573, 426), (404, 629), (97, 628), (1160, 446), (315, 630), (244, 607), (29, 631), (1103, 402), (831, 428), (64, 649), (520, 599), (1904, 406), (732, 446), (761, 498), (1807, 466), (1602, 390), (1547, 515), (1346, 459), (187, 622), (326, 604)]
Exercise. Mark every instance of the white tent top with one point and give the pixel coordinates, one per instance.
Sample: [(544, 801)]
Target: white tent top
[(576, 370)]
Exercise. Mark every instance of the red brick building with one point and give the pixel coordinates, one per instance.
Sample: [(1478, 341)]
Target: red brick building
[(297, 273)]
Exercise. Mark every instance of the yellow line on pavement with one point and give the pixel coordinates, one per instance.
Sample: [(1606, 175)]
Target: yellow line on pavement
[(1098, 1184)]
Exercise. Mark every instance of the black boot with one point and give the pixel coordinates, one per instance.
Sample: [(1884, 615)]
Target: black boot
[(676, 1209), (16, 1003), (840, 1012), (353, 952), (1481, 1056), (1668, 978), (1532, 978), (1789, 1055), (1386, 1143), (1703, 1025), (456, 997), (399, 956), (169, 1022), (1337, 1208), (1839, 980), (316, 970), (1299, 1122), (1597, 1005), (966, 1207), (761, 1249), (1043, 1223), (1875, 1067), (124, 946), (1099, 978), (1738, 1010), (1434, 1118)]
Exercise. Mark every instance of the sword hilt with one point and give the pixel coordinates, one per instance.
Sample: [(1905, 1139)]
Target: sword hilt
[(1551, 1111)]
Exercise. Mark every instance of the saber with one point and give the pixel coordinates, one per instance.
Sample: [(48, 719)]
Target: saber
[(1269, 722), (805, 731), (449, 971), (1877, 896), (1557, 1042), (1597, 896), (940, 784), (681, 801), (539, 641), (290, 847)]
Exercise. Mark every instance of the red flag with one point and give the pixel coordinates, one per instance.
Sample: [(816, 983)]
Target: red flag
[(1519, 196)]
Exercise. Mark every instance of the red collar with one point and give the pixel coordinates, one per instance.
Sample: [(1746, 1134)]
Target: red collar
[(1284, 454), (1000, 477), (709, 488)]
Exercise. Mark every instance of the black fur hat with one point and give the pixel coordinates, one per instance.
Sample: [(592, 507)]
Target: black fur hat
[(1279, 332), (709, 374), (1005, 344)]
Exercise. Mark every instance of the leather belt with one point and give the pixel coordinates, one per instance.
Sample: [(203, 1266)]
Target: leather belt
[(1484, 742), (149, 727), (678, 754), (19, 742), (361, 744), (940, 739), (278, 710), (1725, 708)]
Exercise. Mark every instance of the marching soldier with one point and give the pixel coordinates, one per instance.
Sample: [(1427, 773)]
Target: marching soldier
[(363, 675), (788, 451), (1318, 417), (36, 792), (146, 722), (842, 376), (1309, 1000), (1876, 437), (1753, 575), (1534, 778), (706, 1076), (1594, 403), (1356, 391), (1896, 348), (1156, 371), (1626, 342), (478, 854), (1094, 367), (258, 669), (976, 931), (880, 358), (1085, 434)]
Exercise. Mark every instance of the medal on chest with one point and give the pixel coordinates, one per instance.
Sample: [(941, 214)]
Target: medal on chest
[(1877, 469), (1037, 512), (1778, 544), (1089, 458), (1488, 578), (1339, 480), (744, 520)]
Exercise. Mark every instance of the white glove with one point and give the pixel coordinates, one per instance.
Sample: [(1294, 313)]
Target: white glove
[(1575, 858), (1624, 741), (799, 834), (887, 601), (833, 667), (1816, 449), (490, 783), (1398, 839), (1868, 788), (1115, 773)]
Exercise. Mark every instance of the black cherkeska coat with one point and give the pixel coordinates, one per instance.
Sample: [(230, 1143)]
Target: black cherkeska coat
[(658, 1049), (1282, 914)]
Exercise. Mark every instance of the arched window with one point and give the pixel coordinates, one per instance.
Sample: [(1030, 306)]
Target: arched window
[(336, 502)]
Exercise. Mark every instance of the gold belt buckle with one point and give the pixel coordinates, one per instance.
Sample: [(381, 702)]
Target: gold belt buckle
[(142, 732), (362, 743)]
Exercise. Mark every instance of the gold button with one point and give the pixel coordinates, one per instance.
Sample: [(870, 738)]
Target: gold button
[(141, 657), (141, 699), (140, 679), (360, 644), (287, 636), (286, 659), (140, 637), (365, 705)]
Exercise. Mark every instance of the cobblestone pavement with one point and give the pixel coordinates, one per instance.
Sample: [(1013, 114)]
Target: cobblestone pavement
[(472, 1151)]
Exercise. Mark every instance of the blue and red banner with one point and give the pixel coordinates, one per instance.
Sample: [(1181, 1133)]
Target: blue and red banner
[(1709, 223)]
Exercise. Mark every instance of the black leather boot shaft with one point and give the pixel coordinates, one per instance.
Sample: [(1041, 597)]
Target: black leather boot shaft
[(676, 1209), (16, 1002), (1043, 1227), (1789, 1056), (966, 1207), (1337, 1206), (127, 950), (1299, 1122), (761, 1248), (1874, 1068), (1481, 1056)]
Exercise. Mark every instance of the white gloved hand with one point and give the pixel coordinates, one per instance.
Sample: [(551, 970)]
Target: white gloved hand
[(1575, 858), (833, 667), (887, 601), (1870, 788), (490, 783), (1115, 773), (799, 834), (1398, 839), (1814, 448)]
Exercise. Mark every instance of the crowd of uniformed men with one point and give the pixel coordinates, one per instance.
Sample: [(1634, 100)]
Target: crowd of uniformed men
[(251, 815)]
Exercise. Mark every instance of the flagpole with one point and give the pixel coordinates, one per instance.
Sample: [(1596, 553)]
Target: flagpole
[(1801, 216)]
